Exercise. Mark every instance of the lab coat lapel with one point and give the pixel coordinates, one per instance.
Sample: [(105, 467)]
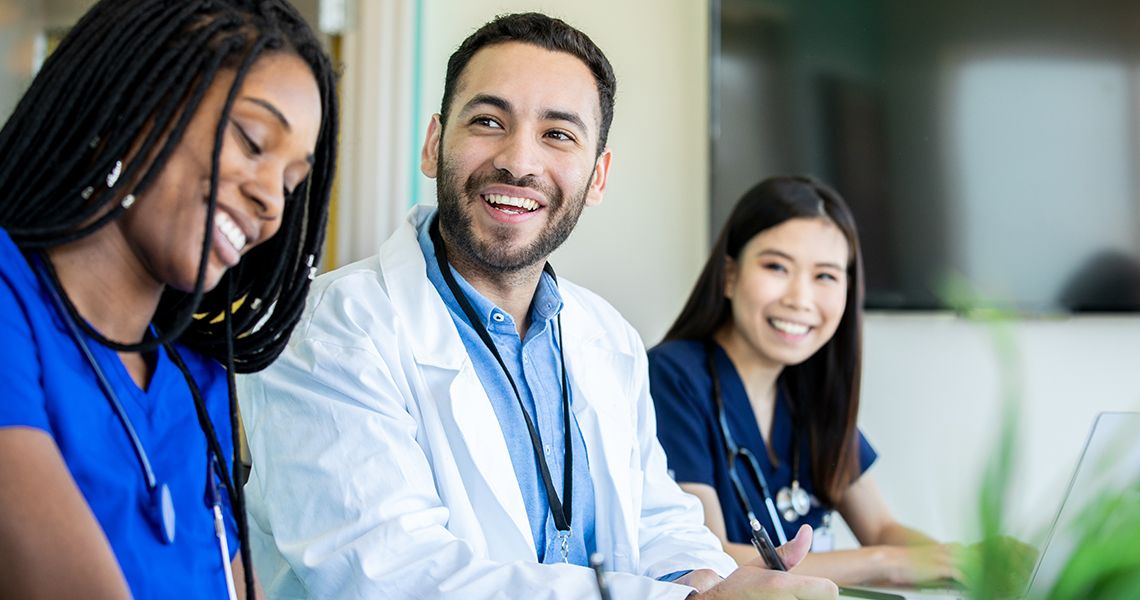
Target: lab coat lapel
[(447, 370), (596, 371)]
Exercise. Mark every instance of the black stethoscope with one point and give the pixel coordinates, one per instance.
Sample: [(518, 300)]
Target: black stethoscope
[(791, 502), (160, 510)]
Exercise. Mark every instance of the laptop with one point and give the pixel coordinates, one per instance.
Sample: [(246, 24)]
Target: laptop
[(1109, 461)]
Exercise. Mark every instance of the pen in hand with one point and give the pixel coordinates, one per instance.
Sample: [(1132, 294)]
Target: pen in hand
[(764, 546)]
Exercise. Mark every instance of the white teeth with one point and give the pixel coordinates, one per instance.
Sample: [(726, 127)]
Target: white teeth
[(523, 203), (789, 327), (233, 233)]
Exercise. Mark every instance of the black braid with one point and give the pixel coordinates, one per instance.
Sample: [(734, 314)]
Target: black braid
[(213, 444), (285, 267), (235, 430), (125, 92), (91, 94), (123, 85)]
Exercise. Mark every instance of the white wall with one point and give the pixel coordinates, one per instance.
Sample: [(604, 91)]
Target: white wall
[(932, 396), (932, 382)]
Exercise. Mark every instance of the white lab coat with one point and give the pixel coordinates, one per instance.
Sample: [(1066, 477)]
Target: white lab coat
[(380, 470)]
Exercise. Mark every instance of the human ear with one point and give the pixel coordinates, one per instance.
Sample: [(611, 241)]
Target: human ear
[(598, 181), (429, 156), (730, 275)]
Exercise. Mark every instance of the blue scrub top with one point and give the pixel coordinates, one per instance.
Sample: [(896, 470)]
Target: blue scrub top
[(688, 429), (50, 386)]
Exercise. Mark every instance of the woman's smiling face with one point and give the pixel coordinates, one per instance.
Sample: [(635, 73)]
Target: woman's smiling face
[(266, 153), (788, 290)]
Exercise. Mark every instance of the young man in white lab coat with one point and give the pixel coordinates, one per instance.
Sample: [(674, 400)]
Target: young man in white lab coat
[(450, 419)]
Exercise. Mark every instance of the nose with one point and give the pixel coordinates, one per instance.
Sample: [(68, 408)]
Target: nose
[(518, 155), (267, 192), (798, 294)]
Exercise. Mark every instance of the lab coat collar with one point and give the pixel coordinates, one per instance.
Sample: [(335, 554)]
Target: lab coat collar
[(435, 341)]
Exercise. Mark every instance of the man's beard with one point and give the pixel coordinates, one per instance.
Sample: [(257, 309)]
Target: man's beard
[(496, 254)]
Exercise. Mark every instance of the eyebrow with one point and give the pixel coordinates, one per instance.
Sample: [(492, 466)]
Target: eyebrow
[(273, 110), (788, 257), (487, 99), (505, 105), (267, 105), (569, 117)]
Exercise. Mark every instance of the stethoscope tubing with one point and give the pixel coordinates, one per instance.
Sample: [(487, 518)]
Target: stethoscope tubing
[(732, 448), (108, 391), (166, 505)]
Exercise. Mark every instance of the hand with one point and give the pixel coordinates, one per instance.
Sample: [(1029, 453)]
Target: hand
[(918, 564), (792, 552), (1001, 564), (701, 579), (750, 582), (795, 550), (755, 581)]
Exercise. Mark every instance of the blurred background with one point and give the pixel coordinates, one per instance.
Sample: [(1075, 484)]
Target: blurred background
[(994, 142)]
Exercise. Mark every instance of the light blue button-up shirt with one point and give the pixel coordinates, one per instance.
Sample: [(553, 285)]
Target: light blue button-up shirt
[(535, 366)]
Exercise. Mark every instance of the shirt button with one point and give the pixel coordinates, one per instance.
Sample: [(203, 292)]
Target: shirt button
[(546, 449), (498, 317)]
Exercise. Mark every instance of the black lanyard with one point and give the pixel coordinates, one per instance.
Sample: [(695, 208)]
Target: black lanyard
[(560, 510)]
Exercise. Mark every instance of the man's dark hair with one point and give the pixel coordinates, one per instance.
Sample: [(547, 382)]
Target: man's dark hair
[(545, 32)]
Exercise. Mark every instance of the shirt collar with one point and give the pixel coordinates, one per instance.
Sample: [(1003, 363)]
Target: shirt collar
[(546, 304)]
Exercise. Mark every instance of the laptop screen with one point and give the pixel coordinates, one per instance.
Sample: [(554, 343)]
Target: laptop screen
[(1110, 463)]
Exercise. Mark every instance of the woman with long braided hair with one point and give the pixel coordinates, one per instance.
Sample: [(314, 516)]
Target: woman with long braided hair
[(165, 184)]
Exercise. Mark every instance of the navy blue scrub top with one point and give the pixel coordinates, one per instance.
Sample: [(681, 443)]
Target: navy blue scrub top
[(688, 429), (50, 386)]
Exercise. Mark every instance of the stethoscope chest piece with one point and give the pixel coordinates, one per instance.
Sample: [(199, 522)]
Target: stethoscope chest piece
[(793, 502), (162, 512)]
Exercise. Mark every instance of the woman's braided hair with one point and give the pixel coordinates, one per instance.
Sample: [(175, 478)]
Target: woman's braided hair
[(127, 79)]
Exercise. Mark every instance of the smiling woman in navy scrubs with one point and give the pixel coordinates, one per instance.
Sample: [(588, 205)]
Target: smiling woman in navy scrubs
[(756, 388), (165, 181)]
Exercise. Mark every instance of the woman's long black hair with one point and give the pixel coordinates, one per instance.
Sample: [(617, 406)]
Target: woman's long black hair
[(824, 389), (126, 80)]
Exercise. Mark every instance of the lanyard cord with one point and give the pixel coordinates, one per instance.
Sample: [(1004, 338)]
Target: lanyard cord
[(561, 511)]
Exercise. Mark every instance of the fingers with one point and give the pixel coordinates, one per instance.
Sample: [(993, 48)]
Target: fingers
[(817, 588), (797, 548), (757, 583), (932, 563), (700, 579), (786, 585)]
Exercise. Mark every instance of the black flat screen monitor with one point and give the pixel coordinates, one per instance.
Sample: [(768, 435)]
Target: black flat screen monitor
[(995, 144)]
